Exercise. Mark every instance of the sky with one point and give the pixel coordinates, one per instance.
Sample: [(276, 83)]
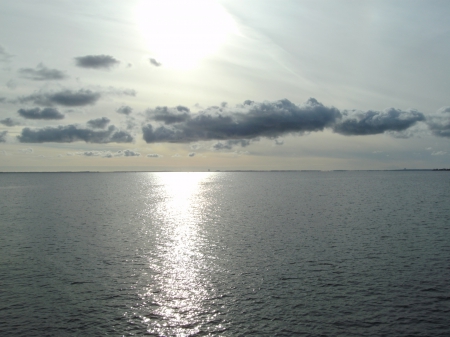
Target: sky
[(198, 85)]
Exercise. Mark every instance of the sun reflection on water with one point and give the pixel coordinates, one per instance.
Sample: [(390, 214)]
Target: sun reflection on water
[(179, 283)]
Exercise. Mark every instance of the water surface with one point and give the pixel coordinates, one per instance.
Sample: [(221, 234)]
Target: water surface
[(225, 254)]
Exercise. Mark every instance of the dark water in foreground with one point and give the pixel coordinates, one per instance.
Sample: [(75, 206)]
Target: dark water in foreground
[(225, 254)]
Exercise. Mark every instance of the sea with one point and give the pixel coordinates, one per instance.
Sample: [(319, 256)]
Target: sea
[(353, 253)]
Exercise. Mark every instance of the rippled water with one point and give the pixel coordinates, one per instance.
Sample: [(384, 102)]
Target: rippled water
[(225, 254)]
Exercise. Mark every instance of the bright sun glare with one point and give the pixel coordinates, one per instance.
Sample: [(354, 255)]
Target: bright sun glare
[(180, 33)]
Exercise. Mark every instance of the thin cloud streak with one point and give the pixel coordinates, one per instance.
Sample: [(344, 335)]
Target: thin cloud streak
[(69, 98), (9, 122), (42, 73)]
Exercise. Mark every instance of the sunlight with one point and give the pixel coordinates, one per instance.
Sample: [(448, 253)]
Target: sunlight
[(179, 284), (181, 33)]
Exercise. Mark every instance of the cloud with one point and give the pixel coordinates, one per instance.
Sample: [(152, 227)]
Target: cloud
[(81, 97), (154, 62), (9, 122), (444, 109), (4, 55), (169, 115), (247, 121), (3, 136), (11, 84), (375, 122), (279, 141), (121, 92), (125, 110), (99, 123), (130, 123), (129, 153), (195, 146), (229, 144), (96, 61), (192, 154), (106, 154), (42, 73), (153, 155), (438, 153), (440, 124), (74, 133), (28, 150), (37, 113)]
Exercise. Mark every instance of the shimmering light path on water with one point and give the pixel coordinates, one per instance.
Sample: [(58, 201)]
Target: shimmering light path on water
[(231, 254)]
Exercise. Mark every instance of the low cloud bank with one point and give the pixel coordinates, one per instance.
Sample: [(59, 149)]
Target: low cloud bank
[(106, 154), (239, 125), (247, 121), (74, 133), (226, 126)]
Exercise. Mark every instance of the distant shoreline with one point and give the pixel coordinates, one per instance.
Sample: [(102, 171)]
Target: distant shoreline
[(398, 170)]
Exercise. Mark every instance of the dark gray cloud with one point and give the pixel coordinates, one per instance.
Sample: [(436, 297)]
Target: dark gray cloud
[(42, 73), (125, 110), (3, 136), (74, 133), (229, 144), (375, 122), (9, 122), (439, 124), (99, 123), (169, 115), (81, 97), (4, 55), (37, 113), (155, 63), (192, 154), (96, 61), (247, 121)]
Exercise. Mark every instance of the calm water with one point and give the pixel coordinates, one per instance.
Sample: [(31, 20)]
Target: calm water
[(225, 254)]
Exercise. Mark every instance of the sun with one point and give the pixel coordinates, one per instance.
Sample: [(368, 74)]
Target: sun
[(180, 33)]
